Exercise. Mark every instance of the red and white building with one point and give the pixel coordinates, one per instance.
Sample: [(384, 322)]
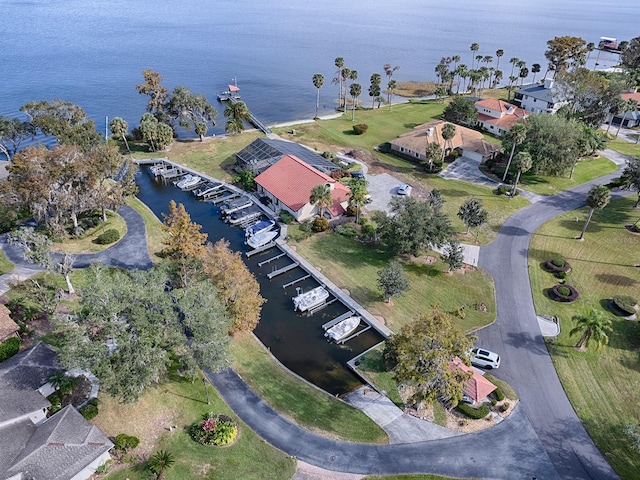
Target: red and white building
[(497, 116)]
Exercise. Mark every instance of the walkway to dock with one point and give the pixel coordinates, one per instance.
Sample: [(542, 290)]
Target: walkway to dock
[(254, 120)]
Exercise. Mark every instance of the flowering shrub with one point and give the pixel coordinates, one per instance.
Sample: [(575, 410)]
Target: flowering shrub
[(214, 430)]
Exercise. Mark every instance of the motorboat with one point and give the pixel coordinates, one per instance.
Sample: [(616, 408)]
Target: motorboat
[(188, 181), (342, 329), (245, 215), (261, 239), (259, 227), (308, 300), (235, 205), (208, 188)]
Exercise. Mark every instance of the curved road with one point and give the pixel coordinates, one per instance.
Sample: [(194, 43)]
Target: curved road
[(543, 438)]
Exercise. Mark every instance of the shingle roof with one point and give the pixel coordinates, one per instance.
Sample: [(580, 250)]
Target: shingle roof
[(7, 326), (31, 368), (539, 92), (477, 387), (291, 181)]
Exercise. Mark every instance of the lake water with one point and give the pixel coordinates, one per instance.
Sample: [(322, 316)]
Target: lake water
[(92, 52)]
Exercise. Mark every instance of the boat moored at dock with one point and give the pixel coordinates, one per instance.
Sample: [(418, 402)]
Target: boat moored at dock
[(308, 300), (342, 329)]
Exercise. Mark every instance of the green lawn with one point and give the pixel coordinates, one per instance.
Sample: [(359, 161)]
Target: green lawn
[(587, 169), (624, 147), (307, 406), (6, 265), (354, 266), (372, 367), (86, 243), (180, 402), (602, 386)]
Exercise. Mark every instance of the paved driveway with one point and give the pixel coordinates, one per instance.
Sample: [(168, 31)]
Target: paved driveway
[(382, 187), (466, 169)]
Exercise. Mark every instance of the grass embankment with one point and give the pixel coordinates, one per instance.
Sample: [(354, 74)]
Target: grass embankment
[(153, 225), (6, 265), (180, 402), (305, 405), (601, 385), (87, 242), (354, 266), (624, 147)]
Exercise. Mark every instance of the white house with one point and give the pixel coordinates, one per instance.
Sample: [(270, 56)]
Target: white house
[(539, 97), (497, 116)]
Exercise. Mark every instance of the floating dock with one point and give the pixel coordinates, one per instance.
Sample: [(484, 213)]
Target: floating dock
[(298, 280), (337, 320), (282, 270), (261, 249), (269, 260)]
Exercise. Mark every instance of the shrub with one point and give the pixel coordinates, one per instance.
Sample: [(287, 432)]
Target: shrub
[(125, 442), (351, 210), (360, 128), (499, 394), (625, 303), (557, 265), (214, 430), (384, 147), (348, 230), (104, 468), (564, 293), (560, 275), (88, 411), (327, 155), (475, 413), (56, 403), (286, 217), (501, 190), (504, 407), (319, 224), (558, 262), (110, 236), (9, 348)]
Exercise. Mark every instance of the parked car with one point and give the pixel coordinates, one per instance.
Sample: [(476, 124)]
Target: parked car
[(357, 174), (404, 189), (484, 358)]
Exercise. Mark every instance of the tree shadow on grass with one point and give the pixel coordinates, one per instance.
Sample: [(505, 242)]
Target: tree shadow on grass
[(619, 280), (575, 227), (422, 269), (364, 294)]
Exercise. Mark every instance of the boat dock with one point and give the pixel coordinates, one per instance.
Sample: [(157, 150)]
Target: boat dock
[(359, 332), (337, 320), (282, 270), (293, 282), (317, 308), (261, 249), (254, 120), (269, 260), (236, 205), (224, 198), (245, 216)]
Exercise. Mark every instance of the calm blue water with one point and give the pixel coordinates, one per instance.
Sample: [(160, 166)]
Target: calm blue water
[(92, 52)]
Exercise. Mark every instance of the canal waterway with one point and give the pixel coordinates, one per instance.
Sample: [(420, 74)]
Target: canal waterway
[(295, 339)]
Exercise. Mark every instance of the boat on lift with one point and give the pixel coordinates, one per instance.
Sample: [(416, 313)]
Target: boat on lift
[(343, 329), (262, 226)]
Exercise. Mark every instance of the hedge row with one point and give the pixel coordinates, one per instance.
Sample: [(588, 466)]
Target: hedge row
[(9, 348), (475, 413)]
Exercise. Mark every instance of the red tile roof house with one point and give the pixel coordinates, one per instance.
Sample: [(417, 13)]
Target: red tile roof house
[(497, 117), (288, 185), (477, 387), (413, 144)]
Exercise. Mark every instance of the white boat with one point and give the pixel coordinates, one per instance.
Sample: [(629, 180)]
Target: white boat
[(188, 181), (310, 299), (259, 227), (342, 329), (262, 238)]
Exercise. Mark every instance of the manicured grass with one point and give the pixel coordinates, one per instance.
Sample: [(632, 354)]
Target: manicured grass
[(305, 405), (180, 402), (6, 265), (587, 169), (624, 147), (155, 234), (86, 243), (372, 367), (354, 266), (602, 385)]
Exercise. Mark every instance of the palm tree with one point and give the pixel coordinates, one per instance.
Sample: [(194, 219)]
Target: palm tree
[(358, 194), (318, 82), (523, 163), (497, 76), (590, 48), (461, 72), (346, 73), (474, 48), (517, 135), (391, 86), (630, 105), (499, 53), (598, 198), (591, 326), (119, 128), (339, 62), (617, 104), (535, 68), (355, 91), (448, 132), (524, 73), (321, 197), (159, 462), (389, 71), (237, 113), (374, 88), (513, 62), (455, 59)]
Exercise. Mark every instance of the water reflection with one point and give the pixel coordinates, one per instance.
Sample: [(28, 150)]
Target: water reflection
[(297, 340)]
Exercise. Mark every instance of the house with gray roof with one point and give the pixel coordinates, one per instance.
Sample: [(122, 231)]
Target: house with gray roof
[(33, 447), (265, 152), (539, 97)]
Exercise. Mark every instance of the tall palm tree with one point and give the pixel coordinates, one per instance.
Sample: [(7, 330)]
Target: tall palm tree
[(346, 73), (497, 76), (339, 62), (474, 48), (513, 62), (159, 462), (535, 68), (499, 53), (630, 105), (524, 73), (591, 326), (590, 48), (391, 86), (598, 198), (374, 88), (389, 71), (523, 163), (237, 113), (358, 194), (355, 91), (318, 82), (321, 197), (448, 132), (455, 59), (461, 72), (517, 135)]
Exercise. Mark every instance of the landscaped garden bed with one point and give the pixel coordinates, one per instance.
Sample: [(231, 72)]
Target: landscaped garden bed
[(563, 293)]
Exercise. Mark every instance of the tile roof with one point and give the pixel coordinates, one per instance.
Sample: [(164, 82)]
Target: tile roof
[(477, 387), (628, 96), (291, 180), (7, 326)]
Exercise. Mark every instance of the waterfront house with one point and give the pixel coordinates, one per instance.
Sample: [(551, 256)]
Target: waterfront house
[(469, 143), (265, 152), (539, 97), (62, 447), (287, 186), (627, 119), (497, 116)]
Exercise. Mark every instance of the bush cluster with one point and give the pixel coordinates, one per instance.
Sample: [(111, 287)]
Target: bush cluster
[(125, 442), (9, 348), (214, 430), (286, 217), (564, 293), (348, 230), (499, 394), (625, 303), (319, 224), (90, 410), (471, 412), (360, 128), (109, 236), (556, 265)]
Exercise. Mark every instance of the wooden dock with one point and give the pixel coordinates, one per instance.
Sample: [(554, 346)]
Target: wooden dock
[(254, 120), (261, 249), (320, 307), (337, 320), (264, 262), (282, 270), (293, 282)]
